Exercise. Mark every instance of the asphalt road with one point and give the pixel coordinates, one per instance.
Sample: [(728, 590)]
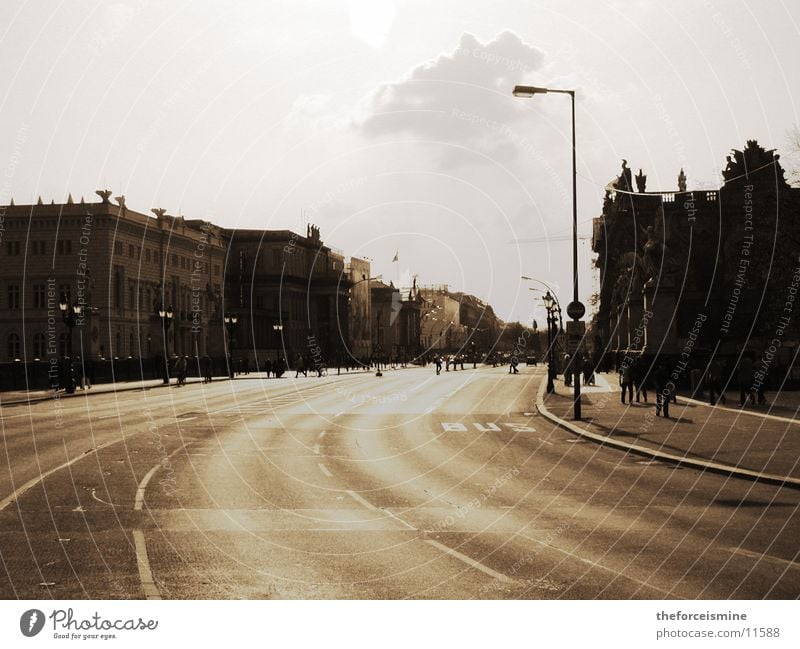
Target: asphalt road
[(407, 486)]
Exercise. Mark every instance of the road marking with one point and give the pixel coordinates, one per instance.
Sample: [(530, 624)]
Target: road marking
[(22, 414), (595, 564), (316, 449), (110, 416), (358, 498), (186, 419), (544, 441), (469, 561), (322, 434), (324, 470), (143, 564), (137, 505), (34, 481), (764, 557)]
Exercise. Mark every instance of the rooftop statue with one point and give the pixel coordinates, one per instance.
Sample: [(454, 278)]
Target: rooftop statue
[(681, 181), (641, 182)]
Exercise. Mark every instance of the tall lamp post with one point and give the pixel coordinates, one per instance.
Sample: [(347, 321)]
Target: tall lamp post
[(166, 322), (575, 309), (70, 314), (552, 308), (230, 325)]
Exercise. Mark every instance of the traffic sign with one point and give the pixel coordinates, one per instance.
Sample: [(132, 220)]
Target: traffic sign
[(576, 310)]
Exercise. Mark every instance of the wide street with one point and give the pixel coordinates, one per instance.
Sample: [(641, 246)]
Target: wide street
[(407, 486)]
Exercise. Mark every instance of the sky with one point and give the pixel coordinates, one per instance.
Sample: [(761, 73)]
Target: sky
[(391, 125)]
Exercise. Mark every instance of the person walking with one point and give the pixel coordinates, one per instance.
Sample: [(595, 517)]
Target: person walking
[(663, 388), (639, 378), (512, 368), (438, 362), (180, 369), (713, 383), (626, 381), (300, 367)]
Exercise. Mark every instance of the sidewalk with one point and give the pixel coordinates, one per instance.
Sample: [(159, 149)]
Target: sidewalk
[(723, 439), (17, 397)]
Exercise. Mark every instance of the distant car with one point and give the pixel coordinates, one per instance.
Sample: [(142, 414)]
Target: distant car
[(530, 360)]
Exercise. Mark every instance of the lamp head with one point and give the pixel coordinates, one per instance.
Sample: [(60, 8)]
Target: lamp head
[(528, 91)]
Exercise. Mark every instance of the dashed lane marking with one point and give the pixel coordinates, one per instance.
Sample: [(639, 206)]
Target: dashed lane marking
[(764, 557), (143, 564), (469, 561), (324, 470)]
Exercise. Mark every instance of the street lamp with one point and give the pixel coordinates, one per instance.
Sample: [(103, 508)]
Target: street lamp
[(70, 314), (575, 309), (230, 325), (550, 306), (166, 322)]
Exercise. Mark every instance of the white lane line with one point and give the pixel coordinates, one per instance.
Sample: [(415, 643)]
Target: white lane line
[(186, 419), (143, 564), (316, 449), (322, 434), (137, 505), (34, 481), (110, 416), (324, 470), (595, 564), (22, 414), (358, 498), (544, 441), (469, 561), (764, 557)]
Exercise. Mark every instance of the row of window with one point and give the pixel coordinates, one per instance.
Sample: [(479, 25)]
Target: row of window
[(154, 256), (38, 247), (39, 296)]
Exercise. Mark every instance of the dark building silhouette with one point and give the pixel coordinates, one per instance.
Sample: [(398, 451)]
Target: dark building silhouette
[(702, 271)]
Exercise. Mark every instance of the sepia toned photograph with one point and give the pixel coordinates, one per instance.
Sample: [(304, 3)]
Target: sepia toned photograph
[(387, 300)]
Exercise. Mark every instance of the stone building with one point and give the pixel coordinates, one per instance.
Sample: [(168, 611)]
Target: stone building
[(695, 272), (119, 265), (289, 292)]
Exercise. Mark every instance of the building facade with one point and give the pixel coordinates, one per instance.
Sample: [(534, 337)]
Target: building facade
[(129, 271), (702, 272)]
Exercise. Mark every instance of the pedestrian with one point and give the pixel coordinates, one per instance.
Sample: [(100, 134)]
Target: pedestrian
[(663, 387), (513, 365), (180, 369), (713, 383), (568, 371), (588, 371), (626, 380), (744, 377), (447, 363), (300, 366), (639, 378), (268, 367)]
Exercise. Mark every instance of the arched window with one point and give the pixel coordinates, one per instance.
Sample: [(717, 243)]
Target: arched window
[(13, 346), (38, 346)]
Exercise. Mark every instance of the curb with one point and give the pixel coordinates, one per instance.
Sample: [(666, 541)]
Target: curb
[(713, 467), (129, 386)]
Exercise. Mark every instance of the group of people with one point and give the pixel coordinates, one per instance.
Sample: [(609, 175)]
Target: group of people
[(637, 374)]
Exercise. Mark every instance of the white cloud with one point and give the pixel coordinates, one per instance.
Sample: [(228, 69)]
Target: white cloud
[(461, 98)]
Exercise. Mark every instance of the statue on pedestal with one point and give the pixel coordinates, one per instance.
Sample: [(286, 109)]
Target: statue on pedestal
[(641, 181), (681, 181)]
